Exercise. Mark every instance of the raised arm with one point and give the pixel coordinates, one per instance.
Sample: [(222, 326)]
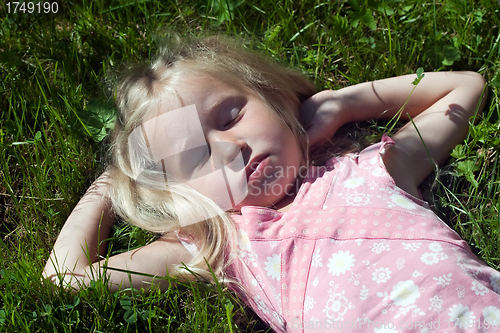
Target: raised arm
[(78, 254), (440, 106)]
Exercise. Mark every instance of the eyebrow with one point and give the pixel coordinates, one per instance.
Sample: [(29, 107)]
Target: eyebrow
[(224, 99)]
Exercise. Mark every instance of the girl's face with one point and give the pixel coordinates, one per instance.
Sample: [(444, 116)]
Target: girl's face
[(231, 118)]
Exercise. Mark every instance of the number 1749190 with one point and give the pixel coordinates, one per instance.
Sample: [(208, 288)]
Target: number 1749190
[(32, 7)]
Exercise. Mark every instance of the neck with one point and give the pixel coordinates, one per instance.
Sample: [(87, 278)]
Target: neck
[(286, 202)]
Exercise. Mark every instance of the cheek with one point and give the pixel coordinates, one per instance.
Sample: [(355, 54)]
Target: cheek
[(294, 154), (294, 142)]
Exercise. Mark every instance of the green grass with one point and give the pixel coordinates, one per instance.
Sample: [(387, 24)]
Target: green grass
[(55, 109)]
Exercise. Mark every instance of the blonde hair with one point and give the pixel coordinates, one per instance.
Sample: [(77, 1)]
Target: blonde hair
[(141, 90)]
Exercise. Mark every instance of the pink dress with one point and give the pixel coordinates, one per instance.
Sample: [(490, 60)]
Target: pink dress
[(355, 253)]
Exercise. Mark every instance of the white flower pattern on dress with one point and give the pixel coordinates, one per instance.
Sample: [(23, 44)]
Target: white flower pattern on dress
[(491, 315), (315, 282), (378, 172), (261, 304), (495, 281), (435, 247), (479, 288), (436, 304), (340, 262), (358, 199), (316, 259), (246, 253), (443, 280), (363, 293), (308, 304), (353, 182), (402, 201), (381, 275), (429, 258), (416, 274), (243, 240), (382, 243), (354, 278), (411, 246), (405, 293), (273, 266), (400, 263), (380, 247), (461, 316), (337, 304)]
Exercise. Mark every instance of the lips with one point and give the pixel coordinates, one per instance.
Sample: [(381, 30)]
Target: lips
[(255, 167)]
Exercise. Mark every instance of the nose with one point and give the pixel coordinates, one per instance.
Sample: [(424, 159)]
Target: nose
[(225, 146)]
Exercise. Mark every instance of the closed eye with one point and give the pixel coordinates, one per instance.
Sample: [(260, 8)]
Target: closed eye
[(229, 111), (234, 115)]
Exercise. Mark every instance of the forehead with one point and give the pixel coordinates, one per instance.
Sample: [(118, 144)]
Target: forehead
[(180, 115), (202, 91)]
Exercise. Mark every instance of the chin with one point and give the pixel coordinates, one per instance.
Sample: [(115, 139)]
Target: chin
[(267, 194)]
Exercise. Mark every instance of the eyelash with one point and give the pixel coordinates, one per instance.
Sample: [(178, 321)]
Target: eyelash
[(234, 119)]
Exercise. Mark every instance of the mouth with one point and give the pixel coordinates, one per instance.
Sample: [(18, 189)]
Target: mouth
[(255, 167)]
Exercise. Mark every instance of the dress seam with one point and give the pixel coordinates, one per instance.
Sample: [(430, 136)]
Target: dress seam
[(307, 286), (356, 238)]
